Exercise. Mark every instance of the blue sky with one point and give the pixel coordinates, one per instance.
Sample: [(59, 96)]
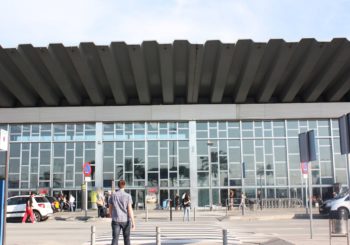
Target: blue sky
[(70, 22)]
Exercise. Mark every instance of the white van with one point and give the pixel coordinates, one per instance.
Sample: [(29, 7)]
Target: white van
[(16, 207)]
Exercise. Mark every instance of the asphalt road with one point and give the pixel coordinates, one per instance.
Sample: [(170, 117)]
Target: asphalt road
[(76, 232)]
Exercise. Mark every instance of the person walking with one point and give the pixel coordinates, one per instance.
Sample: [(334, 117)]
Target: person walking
[(242, 204), (71, 202), (187, 207), (120, 207), (29, 209), (232, 195), (100, 202)]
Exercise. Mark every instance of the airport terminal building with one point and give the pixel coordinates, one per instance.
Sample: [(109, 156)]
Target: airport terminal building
[(177, 117)]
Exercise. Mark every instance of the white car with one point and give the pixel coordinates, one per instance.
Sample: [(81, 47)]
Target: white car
[(16, 207), (342, 201)]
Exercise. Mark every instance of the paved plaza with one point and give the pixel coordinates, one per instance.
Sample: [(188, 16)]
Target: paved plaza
[(269, 226)]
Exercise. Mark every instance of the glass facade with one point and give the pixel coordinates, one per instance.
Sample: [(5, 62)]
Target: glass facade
[(167, 155)]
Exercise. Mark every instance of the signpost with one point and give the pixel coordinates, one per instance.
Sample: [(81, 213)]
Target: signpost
[(87, 177), (4, 143), (307, 150)]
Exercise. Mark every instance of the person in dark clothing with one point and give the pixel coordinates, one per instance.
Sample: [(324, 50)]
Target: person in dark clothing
[(29, 209)]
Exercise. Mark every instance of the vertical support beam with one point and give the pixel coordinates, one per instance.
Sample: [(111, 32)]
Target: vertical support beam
[(99, 156), (193, 163)]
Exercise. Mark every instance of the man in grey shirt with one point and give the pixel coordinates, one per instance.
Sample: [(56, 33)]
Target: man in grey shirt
[(120, 206)]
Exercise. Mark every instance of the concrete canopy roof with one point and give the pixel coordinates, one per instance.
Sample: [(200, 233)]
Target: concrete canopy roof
[(178, 73)]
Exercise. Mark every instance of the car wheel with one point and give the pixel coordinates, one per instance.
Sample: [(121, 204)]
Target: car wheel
[(37, 216), (345, 210)]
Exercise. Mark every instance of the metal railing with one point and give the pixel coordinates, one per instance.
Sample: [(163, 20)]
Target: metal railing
[(267, 203)]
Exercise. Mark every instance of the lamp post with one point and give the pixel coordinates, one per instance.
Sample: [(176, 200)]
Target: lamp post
[(210, 188)]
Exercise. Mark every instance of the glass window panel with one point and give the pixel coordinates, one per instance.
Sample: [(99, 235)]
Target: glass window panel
[(322, 131), (153, 148), (281, 170), (235, 170), (15, 150), (78, 179), (184, 156), (247, 125), (293, 146), (258, 132), (119, 156), (119, 172), (139, 172), (326, 169), (152, 163), (340, 176), (59, 149), (249, 162), (268, 146), (152, 179), (202, 126), (108, 148), (340, 161), (280, 154), (223, 146), (223, 179), (44, 173), (25, 157), (234, 133), (139, 156), (58, 165), (45, 157), (222, 134), (164, 171), (129, 179), (202, 134), (164, 155), (295, 177), (316, 177), (325, 154), (223, 162), (294, 161), (202, 163), (173, 148), (79, 149), (235, 155), (259, 154), (202, 147), (13, 181), (89, 156), (172, 163), (24, 173), (173, 179), (70, 157), (128, 149), (34, 166), (184, 171), (203, 179), (152, 126), (234, 143), (34, 149), (248, 147), (108, 165), (213, 133), (58, 180), (128, 164), (69, 172)]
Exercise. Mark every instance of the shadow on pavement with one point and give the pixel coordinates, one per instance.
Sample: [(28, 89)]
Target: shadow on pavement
[(314, 216)]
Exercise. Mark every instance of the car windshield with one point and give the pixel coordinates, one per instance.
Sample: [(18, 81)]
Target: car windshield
[(341, 195), (41, 199)]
